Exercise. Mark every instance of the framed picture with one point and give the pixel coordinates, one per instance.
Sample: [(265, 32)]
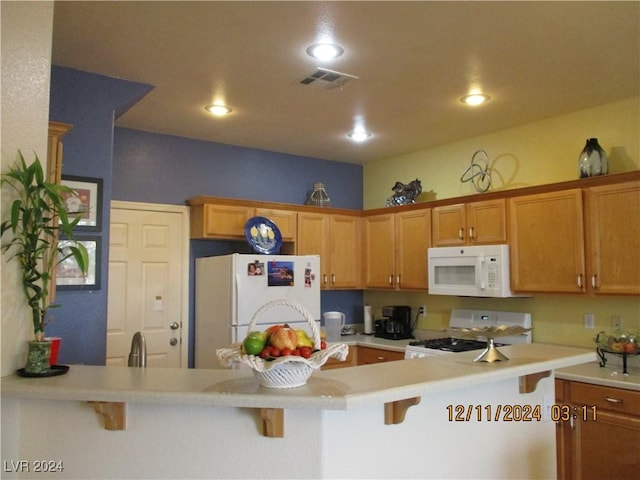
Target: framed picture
[(88, 204), (69, 276)]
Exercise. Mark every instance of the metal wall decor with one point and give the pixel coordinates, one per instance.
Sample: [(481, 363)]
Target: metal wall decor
[(478, 172)]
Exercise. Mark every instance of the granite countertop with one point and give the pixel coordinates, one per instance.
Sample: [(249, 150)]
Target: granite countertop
[(335, 389)]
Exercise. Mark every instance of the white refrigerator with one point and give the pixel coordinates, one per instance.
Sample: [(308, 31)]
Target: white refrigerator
[(231, 288)]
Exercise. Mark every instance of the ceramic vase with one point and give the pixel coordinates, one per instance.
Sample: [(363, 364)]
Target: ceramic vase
[(38, 357), (592, 160)]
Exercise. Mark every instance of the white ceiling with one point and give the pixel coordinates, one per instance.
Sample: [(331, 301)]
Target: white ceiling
[(414, 61)]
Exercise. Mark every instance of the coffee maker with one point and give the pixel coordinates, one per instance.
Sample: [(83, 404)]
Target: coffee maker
[(396, 324)]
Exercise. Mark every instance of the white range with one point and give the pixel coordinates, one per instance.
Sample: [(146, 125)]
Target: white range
[(452, 342)]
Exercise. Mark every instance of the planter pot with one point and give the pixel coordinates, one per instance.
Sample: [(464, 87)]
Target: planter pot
[(38, 357)]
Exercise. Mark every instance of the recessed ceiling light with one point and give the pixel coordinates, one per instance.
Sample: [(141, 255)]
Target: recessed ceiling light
[(218, 110), (359, 136), (475, 99), (325, 51)]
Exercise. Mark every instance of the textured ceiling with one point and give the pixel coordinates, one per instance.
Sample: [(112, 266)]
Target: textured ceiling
[(413, 60)]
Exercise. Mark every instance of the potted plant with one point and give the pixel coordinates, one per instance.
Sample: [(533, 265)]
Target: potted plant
[(38, 215)]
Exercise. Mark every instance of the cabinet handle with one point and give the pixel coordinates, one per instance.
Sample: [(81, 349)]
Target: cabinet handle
[(382, 359), (461, 233), (324, 278), (471, 233), (594, 281), (391, 280), (333, 278), (579, 281), (613, 400), (398, 280)]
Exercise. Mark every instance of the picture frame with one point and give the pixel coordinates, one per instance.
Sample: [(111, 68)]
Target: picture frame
[(88, 203), (69, 276)]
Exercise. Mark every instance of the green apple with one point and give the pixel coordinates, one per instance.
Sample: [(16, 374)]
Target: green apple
[(254, 343)]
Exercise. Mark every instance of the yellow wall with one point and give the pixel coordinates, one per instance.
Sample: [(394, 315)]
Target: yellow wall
[(533, 154)]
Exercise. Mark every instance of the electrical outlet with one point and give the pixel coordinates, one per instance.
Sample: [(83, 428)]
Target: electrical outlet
[(616, 322), (422, 310), (589, 320)]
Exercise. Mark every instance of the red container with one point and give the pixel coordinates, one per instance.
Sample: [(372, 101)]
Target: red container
[(55, 348)]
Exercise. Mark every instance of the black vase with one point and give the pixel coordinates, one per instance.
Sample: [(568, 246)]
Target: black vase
[(592, 160)]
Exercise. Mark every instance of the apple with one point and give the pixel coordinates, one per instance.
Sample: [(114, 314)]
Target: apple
[(629, 347), (284, 337)]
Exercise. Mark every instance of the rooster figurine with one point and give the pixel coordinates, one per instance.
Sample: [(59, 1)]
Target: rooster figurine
[(404, 194)]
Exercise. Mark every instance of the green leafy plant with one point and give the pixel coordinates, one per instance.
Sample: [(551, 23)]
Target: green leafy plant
[(38, 215)]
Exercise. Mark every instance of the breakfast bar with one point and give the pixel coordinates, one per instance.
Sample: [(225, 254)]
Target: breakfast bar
[(462, 419)]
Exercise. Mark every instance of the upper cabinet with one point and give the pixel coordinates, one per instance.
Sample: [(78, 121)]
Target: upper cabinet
[(225, 219), (57, 131), (613, 238), (475, 223), (395, 249), (336, 238), (547, 247), (560, 244)]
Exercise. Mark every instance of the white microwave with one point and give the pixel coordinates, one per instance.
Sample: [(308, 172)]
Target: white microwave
[(474, 271)]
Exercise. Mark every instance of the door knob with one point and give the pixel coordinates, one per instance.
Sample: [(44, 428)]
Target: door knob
[(173, 342), (174, 325)]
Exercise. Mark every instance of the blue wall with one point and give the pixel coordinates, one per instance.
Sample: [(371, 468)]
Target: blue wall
[(89, 102), (171, 170)]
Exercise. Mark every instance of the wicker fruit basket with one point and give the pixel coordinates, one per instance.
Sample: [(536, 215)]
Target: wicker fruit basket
[(283, 372)]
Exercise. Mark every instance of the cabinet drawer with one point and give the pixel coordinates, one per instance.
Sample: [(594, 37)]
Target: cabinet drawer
[(606, 398), (368, 355)]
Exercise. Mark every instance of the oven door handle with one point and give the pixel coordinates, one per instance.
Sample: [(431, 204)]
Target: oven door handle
[(481, 269)]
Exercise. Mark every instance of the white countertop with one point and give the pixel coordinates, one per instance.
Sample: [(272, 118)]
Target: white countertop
[(335, 389), (609, 376)]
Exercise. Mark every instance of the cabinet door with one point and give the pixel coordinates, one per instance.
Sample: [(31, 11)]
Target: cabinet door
[(613, 238), (487, 222), (379, 251), (413, 230), (219, 221), (564, 434), (607, 447), (313, 239), (285, 220), (346, 251), (547, 246), (449, 227)]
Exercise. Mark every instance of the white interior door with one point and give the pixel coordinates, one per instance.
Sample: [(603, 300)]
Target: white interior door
[(148, 282)]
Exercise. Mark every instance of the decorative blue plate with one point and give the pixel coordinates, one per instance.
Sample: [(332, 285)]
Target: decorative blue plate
[(263, 235)]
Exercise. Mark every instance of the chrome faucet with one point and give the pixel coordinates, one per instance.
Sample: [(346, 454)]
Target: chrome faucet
[(138, 354)]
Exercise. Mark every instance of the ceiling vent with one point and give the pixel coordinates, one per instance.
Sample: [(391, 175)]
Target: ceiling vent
[(326, 79)]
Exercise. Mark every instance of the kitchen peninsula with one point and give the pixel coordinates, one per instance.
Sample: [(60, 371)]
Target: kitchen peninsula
[(438, 417)]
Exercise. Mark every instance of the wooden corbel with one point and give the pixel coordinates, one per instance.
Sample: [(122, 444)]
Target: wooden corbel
[(114, 413), (394, 412)]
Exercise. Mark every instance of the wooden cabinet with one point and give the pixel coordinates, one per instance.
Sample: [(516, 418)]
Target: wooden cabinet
[(369, 355), (613, 238), (547, 247), (395, 249), (559, 246), (350, 361), (227, 220), (286, 220), (57, 131), (604, 435), (475, 223), (219, 221), (337, 239)]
